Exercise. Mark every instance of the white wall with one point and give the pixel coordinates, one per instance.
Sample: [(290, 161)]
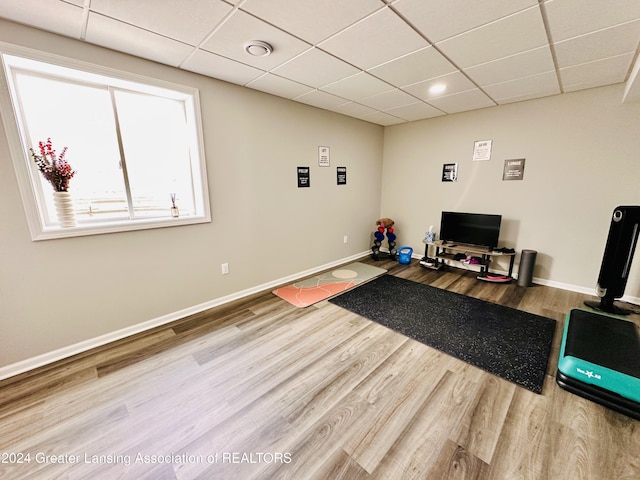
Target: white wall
[(56, 293), (582, 154)]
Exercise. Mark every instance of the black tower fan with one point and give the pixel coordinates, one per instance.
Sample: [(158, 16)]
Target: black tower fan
[(616, 262)]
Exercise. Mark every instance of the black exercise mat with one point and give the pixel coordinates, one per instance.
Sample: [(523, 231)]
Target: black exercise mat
[(506, 342)]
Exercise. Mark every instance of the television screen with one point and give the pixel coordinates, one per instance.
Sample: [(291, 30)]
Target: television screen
[(470, 228)]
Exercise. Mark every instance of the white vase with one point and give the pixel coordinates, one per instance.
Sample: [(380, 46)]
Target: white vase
[(64, 209)]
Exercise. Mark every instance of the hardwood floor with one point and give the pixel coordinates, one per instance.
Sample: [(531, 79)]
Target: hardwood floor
[(260, 389)]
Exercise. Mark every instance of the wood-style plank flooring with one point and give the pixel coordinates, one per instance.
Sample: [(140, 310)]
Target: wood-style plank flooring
[(259, 389)]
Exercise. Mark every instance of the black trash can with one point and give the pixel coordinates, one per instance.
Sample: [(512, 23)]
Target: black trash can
[(525, 271)]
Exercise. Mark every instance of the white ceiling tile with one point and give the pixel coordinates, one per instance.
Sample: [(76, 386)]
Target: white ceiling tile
[(357, 86), (57, 17), (415, 111), (525, 88), (423, 64), (354, 109), (391, 99), (240, 28), (598, 45), (320, 99), (455, 83), (595, 74), (383, 119), (283, 87), (513, 34), (123, 37), (377, 39), (210, 64), (315, 68), (189, 21), (570, 18), (438, 20), (525, 64), (461, 102), (311, 20)]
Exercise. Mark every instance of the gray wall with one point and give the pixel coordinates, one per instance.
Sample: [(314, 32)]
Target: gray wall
[(57, 293), (582, 154)]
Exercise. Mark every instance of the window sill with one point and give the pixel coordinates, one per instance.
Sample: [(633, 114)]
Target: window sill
[(101, 228)]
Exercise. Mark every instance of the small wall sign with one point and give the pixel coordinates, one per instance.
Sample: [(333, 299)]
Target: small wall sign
[(482, 150), (324, 154), (450, 172), (304, 179), (341, 175), (513, 169)]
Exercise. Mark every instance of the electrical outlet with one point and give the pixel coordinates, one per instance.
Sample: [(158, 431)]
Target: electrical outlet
[(225, 268), (346, 239)]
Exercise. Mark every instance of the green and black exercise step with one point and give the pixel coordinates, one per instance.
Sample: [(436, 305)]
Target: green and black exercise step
[(600, 360)]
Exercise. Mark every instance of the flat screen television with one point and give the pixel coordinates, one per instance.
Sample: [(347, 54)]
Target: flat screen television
[(470, 228)]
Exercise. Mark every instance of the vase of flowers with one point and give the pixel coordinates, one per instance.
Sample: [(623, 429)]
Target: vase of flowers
[(57, 171), (175, 213)]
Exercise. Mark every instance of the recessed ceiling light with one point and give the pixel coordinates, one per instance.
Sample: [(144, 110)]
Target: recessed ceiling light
[(258, 48), (437, 88)]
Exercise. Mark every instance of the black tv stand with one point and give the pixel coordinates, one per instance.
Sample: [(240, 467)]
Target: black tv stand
[(446, 251)]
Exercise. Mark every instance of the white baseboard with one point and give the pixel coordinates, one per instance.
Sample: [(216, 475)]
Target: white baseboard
[(65, 352), (564, 286), (579, 289)]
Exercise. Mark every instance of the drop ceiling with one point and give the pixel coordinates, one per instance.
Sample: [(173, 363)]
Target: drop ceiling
[(370, 59)]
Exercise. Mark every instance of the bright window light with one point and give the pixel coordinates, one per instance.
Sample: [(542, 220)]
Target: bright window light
[(135, 146)]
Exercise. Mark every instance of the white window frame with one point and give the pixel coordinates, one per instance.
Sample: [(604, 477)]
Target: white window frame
[(30, 185)]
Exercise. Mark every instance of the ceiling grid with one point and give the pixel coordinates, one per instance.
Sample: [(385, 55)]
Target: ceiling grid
[(376, 60)]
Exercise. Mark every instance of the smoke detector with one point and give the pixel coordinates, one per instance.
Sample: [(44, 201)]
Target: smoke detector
[(258, 48)]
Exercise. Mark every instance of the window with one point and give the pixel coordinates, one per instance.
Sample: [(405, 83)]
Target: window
[(135, 145)]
